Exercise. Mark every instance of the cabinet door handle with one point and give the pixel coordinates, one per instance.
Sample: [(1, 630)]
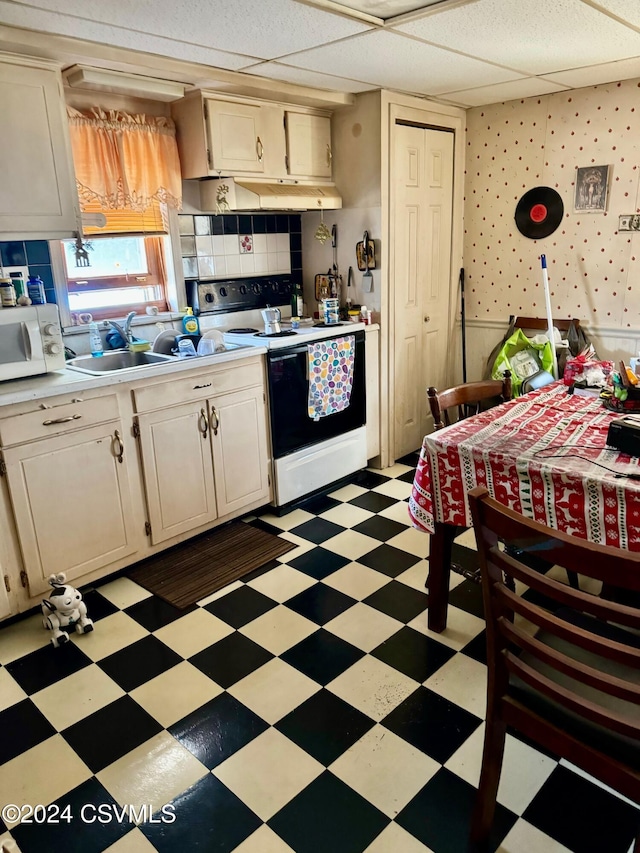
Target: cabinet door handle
[(214, 421), (203, 423), (206, 385), (119, 445), (329, 155), (259, 149), (62, 420)]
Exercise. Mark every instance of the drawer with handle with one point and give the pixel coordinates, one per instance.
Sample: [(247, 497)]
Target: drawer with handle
[(199, 386), (43, 423)]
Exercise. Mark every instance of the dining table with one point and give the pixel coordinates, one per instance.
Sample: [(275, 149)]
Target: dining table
[(543, 455)]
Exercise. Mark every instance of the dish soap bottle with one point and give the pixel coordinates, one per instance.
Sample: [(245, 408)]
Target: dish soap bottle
[(95, 341), (190, 323)]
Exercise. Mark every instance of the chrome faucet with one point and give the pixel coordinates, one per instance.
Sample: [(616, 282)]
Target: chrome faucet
[(125, 333)]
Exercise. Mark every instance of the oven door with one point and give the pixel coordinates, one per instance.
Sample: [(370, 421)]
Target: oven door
[(291, 427)]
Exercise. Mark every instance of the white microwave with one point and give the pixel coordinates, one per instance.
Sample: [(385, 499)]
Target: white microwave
[(30, 341)]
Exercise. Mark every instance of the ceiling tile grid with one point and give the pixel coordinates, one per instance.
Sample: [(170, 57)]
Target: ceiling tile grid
[(592, 267), (467, 52), (392, 61), (266, 30), (532, 36)]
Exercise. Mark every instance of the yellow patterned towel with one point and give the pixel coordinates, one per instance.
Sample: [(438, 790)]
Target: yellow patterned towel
[(330, 375)]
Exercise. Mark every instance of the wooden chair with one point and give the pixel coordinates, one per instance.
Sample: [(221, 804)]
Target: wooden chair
[(467, 398), (573, 683)]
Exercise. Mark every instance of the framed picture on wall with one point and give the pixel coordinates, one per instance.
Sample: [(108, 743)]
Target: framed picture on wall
[(592, 185)]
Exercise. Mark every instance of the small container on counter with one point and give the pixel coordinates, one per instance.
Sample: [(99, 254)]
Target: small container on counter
[(18, 283), (7, 293), (35, 290)]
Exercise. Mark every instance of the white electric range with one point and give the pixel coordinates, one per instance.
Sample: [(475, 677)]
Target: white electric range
[(254, 335), (310, 451)]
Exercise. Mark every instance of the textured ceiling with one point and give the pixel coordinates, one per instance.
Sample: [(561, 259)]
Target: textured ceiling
[(466, 52)]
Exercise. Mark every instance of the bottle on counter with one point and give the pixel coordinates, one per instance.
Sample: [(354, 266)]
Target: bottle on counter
[(95, 341), (35, 290), (7, 293), (190, 323), (297, 302)]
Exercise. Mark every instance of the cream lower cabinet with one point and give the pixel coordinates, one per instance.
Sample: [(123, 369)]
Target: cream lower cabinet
[(72, 503), (177, 469), (206, 458)]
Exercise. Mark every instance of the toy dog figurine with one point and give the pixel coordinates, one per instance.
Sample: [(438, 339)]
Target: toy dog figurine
[(64, 607)]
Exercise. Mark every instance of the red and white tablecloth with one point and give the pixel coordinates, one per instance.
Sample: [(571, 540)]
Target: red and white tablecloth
[(536, 455)]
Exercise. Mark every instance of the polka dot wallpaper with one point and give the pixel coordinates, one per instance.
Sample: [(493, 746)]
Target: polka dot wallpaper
[(512, 147)]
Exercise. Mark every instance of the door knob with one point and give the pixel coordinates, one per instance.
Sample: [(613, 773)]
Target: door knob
[(427, 319)]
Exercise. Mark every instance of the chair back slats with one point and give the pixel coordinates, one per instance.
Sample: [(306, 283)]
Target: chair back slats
[(584, 639), (467, 399), (563, 664), (587, 675), (585, 708), (557, 548), (565, 596)]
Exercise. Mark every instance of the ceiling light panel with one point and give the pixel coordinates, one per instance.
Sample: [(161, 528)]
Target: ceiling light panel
[(395, 62), (101, 80), (532, 36)]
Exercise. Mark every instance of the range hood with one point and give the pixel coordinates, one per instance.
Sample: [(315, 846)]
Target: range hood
[(218, 195)]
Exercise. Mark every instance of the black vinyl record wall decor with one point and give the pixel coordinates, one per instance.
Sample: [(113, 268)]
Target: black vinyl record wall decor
[(539, 212)]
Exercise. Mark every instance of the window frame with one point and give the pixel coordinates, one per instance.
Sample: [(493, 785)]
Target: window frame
[(175, 291)]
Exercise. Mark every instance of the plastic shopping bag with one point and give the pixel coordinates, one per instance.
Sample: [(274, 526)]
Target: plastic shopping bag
[(523, 357)]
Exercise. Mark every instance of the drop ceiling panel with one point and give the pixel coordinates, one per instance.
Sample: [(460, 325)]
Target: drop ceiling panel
[(16, 15), (303, 77), (576, 78), (395, 62), (525, 88), (265, 30), (532, 36), (628, 10)]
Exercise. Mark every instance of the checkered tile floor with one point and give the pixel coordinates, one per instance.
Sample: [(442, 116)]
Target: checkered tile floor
[(306, 708)]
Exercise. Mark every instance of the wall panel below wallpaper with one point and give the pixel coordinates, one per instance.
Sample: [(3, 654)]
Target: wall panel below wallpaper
[(483, 335)]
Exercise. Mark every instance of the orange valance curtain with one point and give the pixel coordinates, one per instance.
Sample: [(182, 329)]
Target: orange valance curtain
[(124, 161)]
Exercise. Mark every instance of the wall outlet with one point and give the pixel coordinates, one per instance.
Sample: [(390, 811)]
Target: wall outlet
[(629, 223)]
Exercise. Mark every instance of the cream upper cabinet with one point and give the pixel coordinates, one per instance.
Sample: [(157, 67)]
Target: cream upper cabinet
[(219, 137), (71, 492), (236, 137), (37, 191), (308, 145), (223, 137)]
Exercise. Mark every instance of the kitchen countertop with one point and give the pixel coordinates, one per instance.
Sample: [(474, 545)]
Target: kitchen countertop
[(68, 381)]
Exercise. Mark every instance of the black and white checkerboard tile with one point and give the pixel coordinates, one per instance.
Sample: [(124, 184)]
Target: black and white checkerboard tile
[(305, 708)]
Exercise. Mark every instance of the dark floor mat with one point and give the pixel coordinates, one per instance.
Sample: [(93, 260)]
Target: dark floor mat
[(194, 569)]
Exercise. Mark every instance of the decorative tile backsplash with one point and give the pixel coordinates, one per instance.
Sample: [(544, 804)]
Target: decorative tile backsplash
[(33, 254), (232, 245)]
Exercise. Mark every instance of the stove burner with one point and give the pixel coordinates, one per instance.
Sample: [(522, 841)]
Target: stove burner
[(323, 325), (284, 334), (245, 331)]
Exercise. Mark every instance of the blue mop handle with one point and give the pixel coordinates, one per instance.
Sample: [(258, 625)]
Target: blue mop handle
[(547, 299)]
